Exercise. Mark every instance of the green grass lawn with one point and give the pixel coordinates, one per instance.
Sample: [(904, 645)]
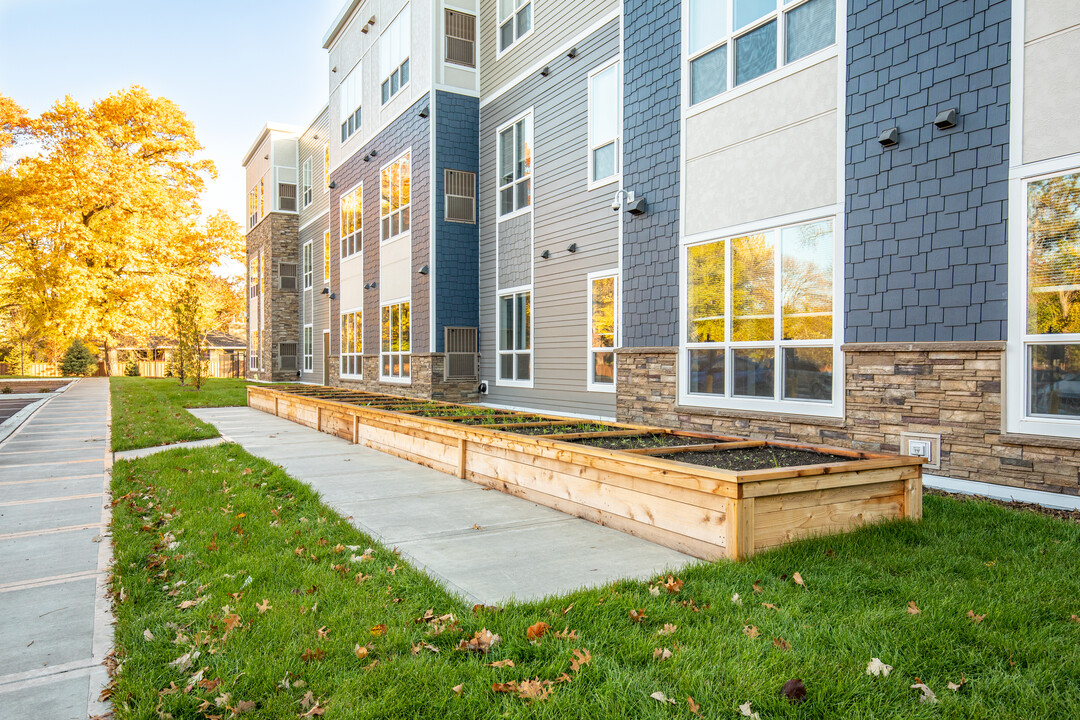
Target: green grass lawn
[(150, 411), (246, 535)]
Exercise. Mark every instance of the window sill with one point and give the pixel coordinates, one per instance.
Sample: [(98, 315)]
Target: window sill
[(514, 383)]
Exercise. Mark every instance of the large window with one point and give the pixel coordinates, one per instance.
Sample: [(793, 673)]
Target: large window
[(395, 196), (352, 222), (309, 352), (731, 42), (394, 48), (253, 350), (255, 270), (326, 165), (603, 320), (515, 21), (515, 337), (349, 100), (352, 343), (1051, 337), (604, 124), (326, 257), (305, 184), (759, 315), (515, 166), (308, 268), (253, 207), (395, 348)]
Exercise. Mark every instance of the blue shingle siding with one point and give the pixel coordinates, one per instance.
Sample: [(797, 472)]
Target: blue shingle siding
[(409, 130), (652, 50), (925, 242), (457, 290)]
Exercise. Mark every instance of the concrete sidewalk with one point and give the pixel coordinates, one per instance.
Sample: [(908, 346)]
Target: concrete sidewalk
[(521, 550), (54, 629)]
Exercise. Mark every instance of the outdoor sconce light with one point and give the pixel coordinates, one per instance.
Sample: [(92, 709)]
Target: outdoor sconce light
[(572, 248), (545, 254), (374, 285), (425, 270), (572, 54), (333, 296), (374, 153), (326, 291), (333, 69), (266, 157), (332, 185), (367, 26), (425, 112), (367, 286), (367, 158), (625, 199), (546, 71), (889, 138), (365, 29), (946, 119)]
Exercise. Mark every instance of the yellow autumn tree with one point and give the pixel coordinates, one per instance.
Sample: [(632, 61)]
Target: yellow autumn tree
[(100, 228)]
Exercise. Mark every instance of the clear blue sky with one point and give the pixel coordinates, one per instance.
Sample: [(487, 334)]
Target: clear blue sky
[(231, 65)]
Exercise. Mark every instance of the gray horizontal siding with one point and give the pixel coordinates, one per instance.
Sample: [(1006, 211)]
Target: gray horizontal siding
[(312, 145)]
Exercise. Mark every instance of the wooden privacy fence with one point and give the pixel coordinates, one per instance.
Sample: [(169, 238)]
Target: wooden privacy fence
[(705, 512)]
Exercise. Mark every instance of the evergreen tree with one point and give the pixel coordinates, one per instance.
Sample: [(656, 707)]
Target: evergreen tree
[(78, 360)]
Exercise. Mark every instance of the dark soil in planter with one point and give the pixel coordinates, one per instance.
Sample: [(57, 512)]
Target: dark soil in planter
[(497, 420), (756, 458), (452, 412), (564, 429), (649, 440)]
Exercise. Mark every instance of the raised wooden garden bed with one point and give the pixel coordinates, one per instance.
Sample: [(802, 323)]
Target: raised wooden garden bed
[(709, 496)]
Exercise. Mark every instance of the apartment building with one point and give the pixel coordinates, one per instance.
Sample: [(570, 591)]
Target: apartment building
[(854, 224)]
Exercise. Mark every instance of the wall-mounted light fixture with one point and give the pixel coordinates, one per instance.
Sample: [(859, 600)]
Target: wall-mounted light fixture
[(333, 296), (367, 286), (546, 254), (365, 29), (367, 158), (316, 136), (326, 291), (889, 138), (425, 111), (946, 119), (333, 69), (571, 248), (627, 200), (374, 285), (425, 270), (374, 153), (333, 184), (572, 54), (266, 157), (546, 71)]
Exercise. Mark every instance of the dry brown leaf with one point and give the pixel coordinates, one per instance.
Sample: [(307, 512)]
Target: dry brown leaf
[(975, 618), (339, 548), (568, 608), (955, 687), (264, 606), (507, 687), (1075, 618), (661, 654), (770, 606), (481, 642), (148, 635), (418, 647), (694, 707), (750, 631), (566, 634), (171, 690), (744, 709), (231, 622), (876, 667), (581, 657), (661, 697), (667, 629), (322, 542), (736, 600), (323, 632), (378, 630), (535, 689), (536, 631), (912, 608), (798, 578), (480, 606), (243, 706), (927, 696), (501, 663), (654, 590), (362, 651), (210, 685), (757, 587), (781, 643), (672, 585), (310, 654), (638, 616), (361, 577), (458, 689), (392, 570)]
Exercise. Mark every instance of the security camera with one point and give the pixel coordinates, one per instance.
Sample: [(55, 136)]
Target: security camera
[(616, 204)]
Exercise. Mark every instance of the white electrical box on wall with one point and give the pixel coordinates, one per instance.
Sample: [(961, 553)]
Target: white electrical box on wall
[(924, 445)]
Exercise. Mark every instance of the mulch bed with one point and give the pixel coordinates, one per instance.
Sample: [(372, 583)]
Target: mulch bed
[(1072, 516), (755, 458)]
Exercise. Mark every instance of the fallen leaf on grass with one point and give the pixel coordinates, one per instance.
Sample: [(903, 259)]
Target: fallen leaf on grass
[(535, 689), (735, 599), (876, 667), (481, 642), (781, 643), (1075, 619), (750, 631), (501, 663), (565, 634), (264, 606), (794, 691), (171, 690), (310, 654), (361, 577), (568, 608), (418, 647), (323, 632), (661, 697), (672, 584), (638, 616), (694, 707), (654, 590), (480, 606), (148, 635), (378, 630), (458, 689), (770, 606), (246, 471), (975, 618), (757, 587), (667, 629), (745, 710), (955, 687), (581, 657), (661, 654), (243, 706), (362, 651), (798, 578), (536, 631), (210, 685), (392, 570), (507, 687), (185, 661), (927, 696), (912, 608)]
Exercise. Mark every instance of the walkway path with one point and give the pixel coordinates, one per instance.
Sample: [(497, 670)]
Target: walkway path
[(54, 630), (518, 549)]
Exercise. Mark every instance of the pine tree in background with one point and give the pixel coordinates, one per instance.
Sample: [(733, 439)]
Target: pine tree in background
[(78, 360)]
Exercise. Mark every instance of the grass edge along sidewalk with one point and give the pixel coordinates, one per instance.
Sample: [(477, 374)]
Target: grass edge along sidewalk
[(148, 412), (237, 592)]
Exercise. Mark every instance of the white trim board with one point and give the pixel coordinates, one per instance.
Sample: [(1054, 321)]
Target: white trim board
[(1002, 492)]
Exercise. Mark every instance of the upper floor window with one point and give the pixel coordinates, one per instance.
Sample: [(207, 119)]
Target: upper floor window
[(394, 48), (326, 257), (515, 21), (349, 100), (352, 222), (460, 38), (731, 42), (326, 164), (253, 207), (604, 124), (305, 184), (307, 265), (759, 315), (394, 205), (255, 270), (515, 166)]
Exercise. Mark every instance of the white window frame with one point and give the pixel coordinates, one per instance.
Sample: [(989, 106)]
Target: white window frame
[(326, 257), (776, 404), (400, 210), (306, 193), (529, 176), (309, 357), (783, 67), (593, 144), (357, 237), (350, 103), (401, 66), (1016, 376), (591, 384), (401, 355), (253, 350), (343, 356), (500, 352), (519, 5), (306, 260)]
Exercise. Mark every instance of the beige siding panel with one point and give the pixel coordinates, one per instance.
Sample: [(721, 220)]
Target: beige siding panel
[(755, 180), (554, 22), (1045, 17), (394, 279), (1051, 95)]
